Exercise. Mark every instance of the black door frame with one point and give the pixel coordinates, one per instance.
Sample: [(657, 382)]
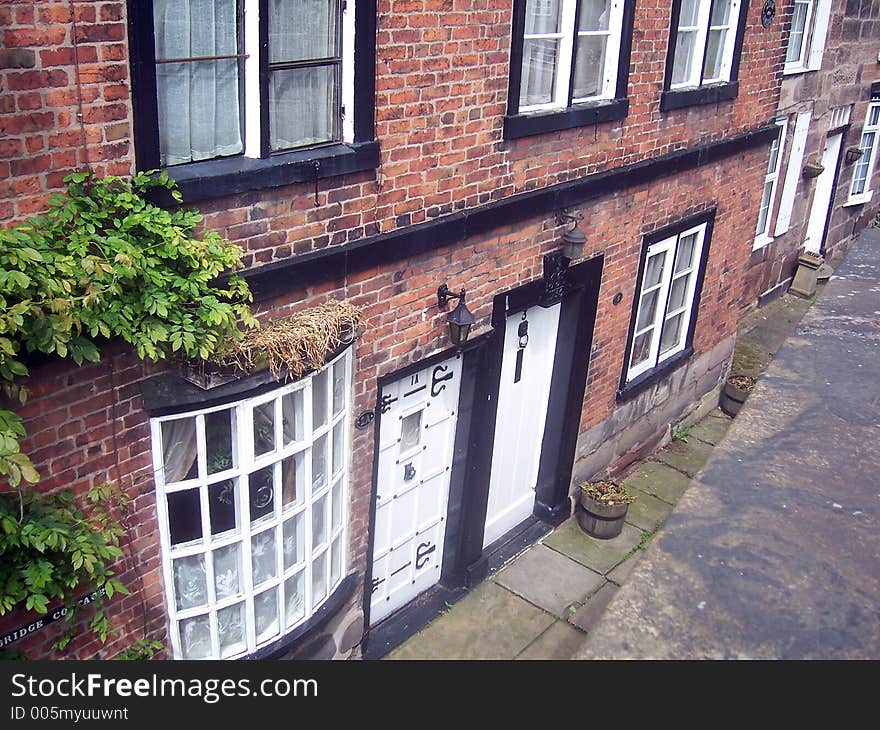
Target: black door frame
[(465, 562)]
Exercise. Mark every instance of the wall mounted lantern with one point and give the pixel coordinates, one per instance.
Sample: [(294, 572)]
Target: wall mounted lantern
[(460, 319), (573, 240), (853, 154)]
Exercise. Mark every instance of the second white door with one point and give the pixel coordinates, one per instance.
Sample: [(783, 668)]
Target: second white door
[(526, 371)]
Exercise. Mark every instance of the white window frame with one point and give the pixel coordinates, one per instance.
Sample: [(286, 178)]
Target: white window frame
[(666, 248), (812, 45), (334, 493), (253, 79), (695, 78), (869, 149), (567, 36), (777, 149), (793, 171)]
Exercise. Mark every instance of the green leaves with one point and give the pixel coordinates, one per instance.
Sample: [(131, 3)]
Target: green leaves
[(105, 263), (51, 550)]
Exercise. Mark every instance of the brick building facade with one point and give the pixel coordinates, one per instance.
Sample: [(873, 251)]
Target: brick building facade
[(444, 165), (825, 103)]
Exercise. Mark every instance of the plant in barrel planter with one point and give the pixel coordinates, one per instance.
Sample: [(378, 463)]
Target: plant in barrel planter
[(604, 505), (735, 391)]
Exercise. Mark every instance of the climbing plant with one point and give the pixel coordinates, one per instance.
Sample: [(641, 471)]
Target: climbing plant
[(104, 262)]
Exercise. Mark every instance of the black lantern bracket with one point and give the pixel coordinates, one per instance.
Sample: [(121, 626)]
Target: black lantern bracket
[(460, 319)]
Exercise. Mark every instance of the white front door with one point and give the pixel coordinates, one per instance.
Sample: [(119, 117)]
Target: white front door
[(526, 370), (416, 439), (822, 195)]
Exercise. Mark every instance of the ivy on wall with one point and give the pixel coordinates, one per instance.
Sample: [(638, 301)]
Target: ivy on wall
[(103, 262)]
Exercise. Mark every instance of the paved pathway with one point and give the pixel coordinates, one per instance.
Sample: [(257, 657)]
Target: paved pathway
[(543, 603), (774, 551)]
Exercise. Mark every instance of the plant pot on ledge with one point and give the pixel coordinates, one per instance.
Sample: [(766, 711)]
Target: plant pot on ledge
[(604, 504), (735, 391)]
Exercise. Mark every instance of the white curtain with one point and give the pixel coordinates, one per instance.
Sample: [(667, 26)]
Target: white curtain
[(303, 102), (540, 55), (178, 448), (198, 101)]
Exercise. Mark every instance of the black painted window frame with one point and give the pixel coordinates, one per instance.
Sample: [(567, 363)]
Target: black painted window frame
[(709, 93), (227, 175), (526, 124), (630, 389)]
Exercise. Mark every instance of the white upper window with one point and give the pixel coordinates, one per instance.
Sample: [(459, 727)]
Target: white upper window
[(806, 37), (666, 299), (224, 89), (251, 498), (771, 180), (704, 42), (860, 190), (570, 52)]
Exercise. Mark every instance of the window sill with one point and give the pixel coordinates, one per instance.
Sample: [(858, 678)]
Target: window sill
[(579, 115), (680, 98), (860, 199), (795, 70), (215, 178), (762, 241), (646, 380), (332, 604)]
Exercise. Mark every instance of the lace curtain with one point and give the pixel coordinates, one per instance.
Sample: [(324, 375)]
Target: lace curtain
[(198, 101)]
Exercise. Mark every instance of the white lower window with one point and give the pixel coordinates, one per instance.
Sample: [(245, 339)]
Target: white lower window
[(252, 500), (666, 299), (861, 182)]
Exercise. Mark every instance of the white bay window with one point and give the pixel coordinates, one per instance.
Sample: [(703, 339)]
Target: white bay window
[(251, 499)]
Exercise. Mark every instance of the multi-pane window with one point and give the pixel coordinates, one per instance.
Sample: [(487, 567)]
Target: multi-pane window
[(704, 42), (806, 35), (799, 35), (768, 194), (665, 299), (229, 84), (864, 168), (252, 499), (570, 52)]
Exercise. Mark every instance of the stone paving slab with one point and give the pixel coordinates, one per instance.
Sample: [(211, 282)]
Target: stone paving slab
[(686, 457), (712, 428), (599, 555), (588, 615), (489, 623), (549, 579), (560, 641), (647, 511), (658, 479), (622, 572)]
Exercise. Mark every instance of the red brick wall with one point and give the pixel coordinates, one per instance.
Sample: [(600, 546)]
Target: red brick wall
[(849, 66), (50, 74)]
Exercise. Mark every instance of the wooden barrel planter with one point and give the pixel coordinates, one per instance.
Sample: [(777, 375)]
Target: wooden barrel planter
[(599, 519)]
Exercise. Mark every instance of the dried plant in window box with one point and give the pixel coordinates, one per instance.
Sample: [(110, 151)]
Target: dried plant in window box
[(288, 348)]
